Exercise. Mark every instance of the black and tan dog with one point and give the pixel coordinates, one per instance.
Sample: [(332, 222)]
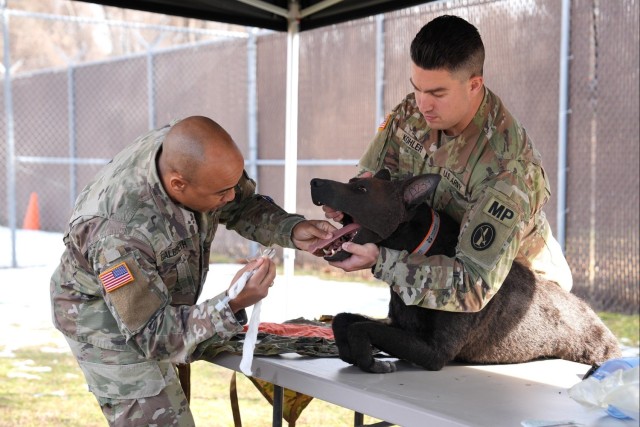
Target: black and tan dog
[(527, 319)]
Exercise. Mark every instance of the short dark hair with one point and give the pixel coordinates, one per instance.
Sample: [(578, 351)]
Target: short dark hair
[(450, 43)]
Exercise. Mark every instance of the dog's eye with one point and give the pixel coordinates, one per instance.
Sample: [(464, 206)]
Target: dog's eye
[(361, 188)]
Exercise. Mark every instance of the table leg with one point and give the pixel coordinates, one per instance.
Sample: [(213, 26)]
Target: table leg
[(278, 399), (358, 421)]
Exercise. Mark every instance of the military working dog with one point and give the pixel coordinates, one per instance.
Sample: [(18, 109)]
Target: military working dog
[(527, 319)]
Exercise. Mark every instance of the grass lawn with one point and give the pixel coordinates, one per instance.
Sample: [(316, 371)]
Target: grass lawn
[(47, 389), (44, 388), (625, 327)]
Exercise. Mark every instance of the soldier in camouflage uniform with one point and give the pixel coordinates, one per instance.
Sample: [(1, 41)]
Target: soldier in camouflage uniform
[(136, 258), (492, 181)]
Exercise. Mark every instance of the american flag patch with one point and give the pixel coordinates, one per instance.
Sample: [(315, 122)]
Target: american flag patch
[(116, 276), (384, 122)]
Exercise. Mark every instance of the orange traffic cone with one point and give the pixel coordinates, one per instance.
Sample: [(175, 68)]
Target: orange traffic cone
[(32, 216)]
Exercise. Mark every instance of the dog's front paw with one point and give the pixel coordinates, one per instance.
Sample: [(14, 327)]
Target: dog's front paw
[(382, 367), (347, 359)]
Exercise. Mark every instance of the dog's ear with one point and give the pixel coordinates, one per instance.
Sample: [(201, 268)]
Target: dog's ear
[(383, 174), (420, 188)]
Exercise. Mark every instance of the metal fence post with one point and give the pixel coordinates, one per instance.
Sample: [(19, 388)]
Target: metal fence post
[(563, 109), (73, 149), (151, 93), (380, 110), (11, 155)]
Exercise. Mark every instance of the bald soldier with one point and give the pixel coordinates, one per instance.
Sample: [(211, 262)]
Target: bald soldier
[(492, 181), (137, 256)]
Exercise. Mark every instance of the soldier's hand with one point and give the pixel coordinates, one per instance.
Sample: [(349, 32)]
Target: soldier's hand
[(362, 256), (308, 232), (257, 287)]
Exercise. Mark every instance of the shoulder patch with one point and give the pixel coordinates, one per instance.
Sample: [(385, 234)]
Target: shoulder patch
[(483, 236), (501, 211), (491, 227), (383, 124), (137, 302), (116, 277)]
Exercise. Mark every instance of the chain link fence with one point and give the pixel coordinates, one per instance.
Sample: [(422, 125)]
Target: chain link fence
[(63, 120)]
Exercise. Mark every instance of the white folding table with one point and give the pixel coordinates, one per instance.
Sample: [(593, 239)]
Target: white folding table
[(457, 395)]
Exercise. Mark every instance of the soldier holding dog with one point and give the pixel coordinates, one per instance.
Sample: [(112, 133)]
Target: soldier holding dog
[(492, 183)]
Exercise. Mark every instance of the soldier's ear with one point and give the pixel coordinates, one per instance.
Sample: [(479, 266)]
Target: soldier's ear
[(476, 83), (177, 183)]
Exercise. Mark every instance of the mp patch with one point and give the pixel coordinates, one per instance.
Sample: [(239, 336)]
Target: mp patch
[(116, 277), (483, 236), (492, 225), (501, 211)]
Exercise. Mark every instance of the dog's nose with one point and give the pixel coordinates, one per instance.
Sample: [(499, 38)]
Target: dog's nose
[(316, 182)]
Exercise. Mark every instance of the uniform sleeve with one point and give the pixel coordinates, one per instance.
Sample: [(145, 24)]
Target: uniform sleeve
[(258, 217), (139, 302), (488, 243)]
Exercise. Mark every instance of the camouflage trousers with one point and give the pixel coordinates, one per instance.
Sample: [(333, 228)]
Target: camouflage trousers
[(133, 391)]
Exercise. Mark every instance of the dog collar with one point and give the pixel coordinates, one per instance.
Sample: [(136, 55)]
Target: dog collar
[(428, 240)]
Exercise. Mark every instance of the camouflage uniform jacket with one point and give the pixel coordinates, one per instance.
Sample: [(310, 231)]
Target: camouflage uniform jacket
[(492, 183), (135, 262)]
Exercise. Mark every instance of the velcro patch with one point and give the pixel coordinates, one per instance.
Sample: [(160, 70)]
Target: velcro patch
[(384, 123), (453, 180), (491, 227), (116, 277), (500, 211), (137, 302), (411, 142), (483, 236)]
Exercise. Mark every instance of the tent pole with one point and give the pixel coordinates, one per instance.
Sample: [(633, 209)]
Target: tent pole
[(252, 117), (291, 123)]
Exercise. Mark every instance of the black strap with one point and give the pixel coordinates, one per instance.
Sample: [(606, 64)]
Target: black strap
[(233, 397)]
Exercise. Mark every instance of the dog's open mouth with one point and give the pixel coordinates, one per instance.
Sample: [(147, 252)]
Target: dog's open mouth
[(330, 249)]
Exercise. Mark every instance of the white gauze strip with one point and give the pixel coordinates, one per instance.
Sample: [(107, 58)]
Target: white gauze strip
[(251, 336)]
